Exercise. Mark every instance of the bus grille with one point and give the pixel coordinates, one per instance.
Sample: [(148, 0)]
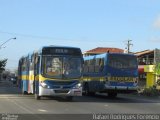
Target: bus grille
[(61, 91)]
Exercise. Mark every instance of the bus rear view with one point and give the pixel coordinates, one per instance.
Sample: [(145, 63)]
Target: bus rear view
[(110, 73), (122, 73)]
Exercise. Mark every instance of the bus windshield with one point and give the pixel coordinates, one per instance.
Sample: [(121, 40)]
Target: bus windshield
[(122, 61), (72, 67), (61, 67)]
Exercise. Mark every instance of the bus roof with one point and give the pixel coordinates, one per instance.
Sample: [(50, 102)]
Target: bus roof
[(104, 55), (39, 51)]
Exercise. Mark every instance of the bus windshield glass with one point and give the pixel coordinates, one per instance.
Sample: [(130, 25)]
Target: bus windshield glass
[(61, 67), (71, 67), (122, 61)]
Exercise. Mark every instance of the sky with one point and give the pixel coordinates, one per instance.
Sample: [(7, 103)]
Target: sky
[(79, 23)]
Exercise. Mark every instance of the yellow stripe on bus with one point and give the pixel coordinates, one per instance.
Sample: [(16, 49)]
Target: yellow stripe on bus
[(119, 79), (40, 78)]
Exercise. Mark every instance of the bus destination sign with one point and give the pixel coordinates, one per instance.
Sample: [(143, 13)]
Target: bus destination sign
[(61, 51)]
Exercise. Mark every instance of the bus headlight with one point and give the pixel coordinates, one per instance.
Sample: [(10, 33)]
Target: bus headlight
[(77, 86), (44, 85)]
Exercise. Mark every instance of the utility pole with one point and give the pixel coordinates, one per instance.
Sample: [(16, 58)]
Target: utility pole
[(128, 45)]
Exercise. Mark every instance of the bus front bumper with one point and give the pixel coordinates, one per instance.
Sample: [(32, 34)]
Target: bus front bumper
[(60, 92)]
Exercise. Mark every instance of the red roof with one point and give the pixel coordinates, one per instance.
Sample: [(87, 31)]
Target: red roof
[(104, 50)]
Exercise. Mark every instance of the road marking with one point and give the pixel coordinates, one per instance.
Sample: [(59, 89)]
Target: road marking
[(42, 110), (25, 109), (158, 103), (14, 96), (20, 106), (106, 105)]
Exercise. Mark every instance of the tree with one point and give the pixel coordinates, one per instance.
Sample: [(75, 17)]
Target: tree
[(2, 65)]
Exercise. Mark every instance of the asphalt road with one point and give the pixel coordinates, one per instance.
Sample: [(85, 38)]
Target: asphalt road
[(11, 101)]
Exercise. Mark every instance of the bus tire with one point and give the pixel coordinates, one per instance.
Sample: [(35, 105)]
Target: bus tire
[(37, 97), (91, 93), (87, 90), (112, 94), (69, 98), (25, 93)]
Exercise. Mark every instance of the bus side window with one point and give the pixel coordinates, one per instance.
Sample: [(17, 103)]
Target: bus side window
[(91, 65), (86, 64), (24, 65), (31, 64), (101, 64), (37, 62), (97, 66)]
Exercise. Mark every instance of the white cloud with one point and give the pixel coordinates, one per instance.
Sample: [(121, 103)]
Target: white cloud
[(157, 22), (155, 39)]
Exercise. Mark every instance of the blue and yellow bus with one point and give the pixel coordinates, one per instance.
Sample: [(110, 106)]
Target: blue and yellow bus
[(110, 73), (51, 71)]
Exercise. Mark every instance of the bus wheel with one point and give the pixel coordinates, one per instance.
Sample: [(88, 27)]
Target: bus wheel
[(112, 94), (91, 93), (24, 92), (69, 98), (87, 91), (37, 97)]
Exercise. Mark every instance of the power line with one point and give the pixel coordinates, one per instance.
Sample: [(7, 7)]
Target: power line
[(45, 37), (27, 35)]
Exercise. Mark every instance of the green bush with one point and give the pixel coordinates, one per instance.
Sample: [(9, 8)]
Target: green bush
[(151, 91), (158, 82)]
